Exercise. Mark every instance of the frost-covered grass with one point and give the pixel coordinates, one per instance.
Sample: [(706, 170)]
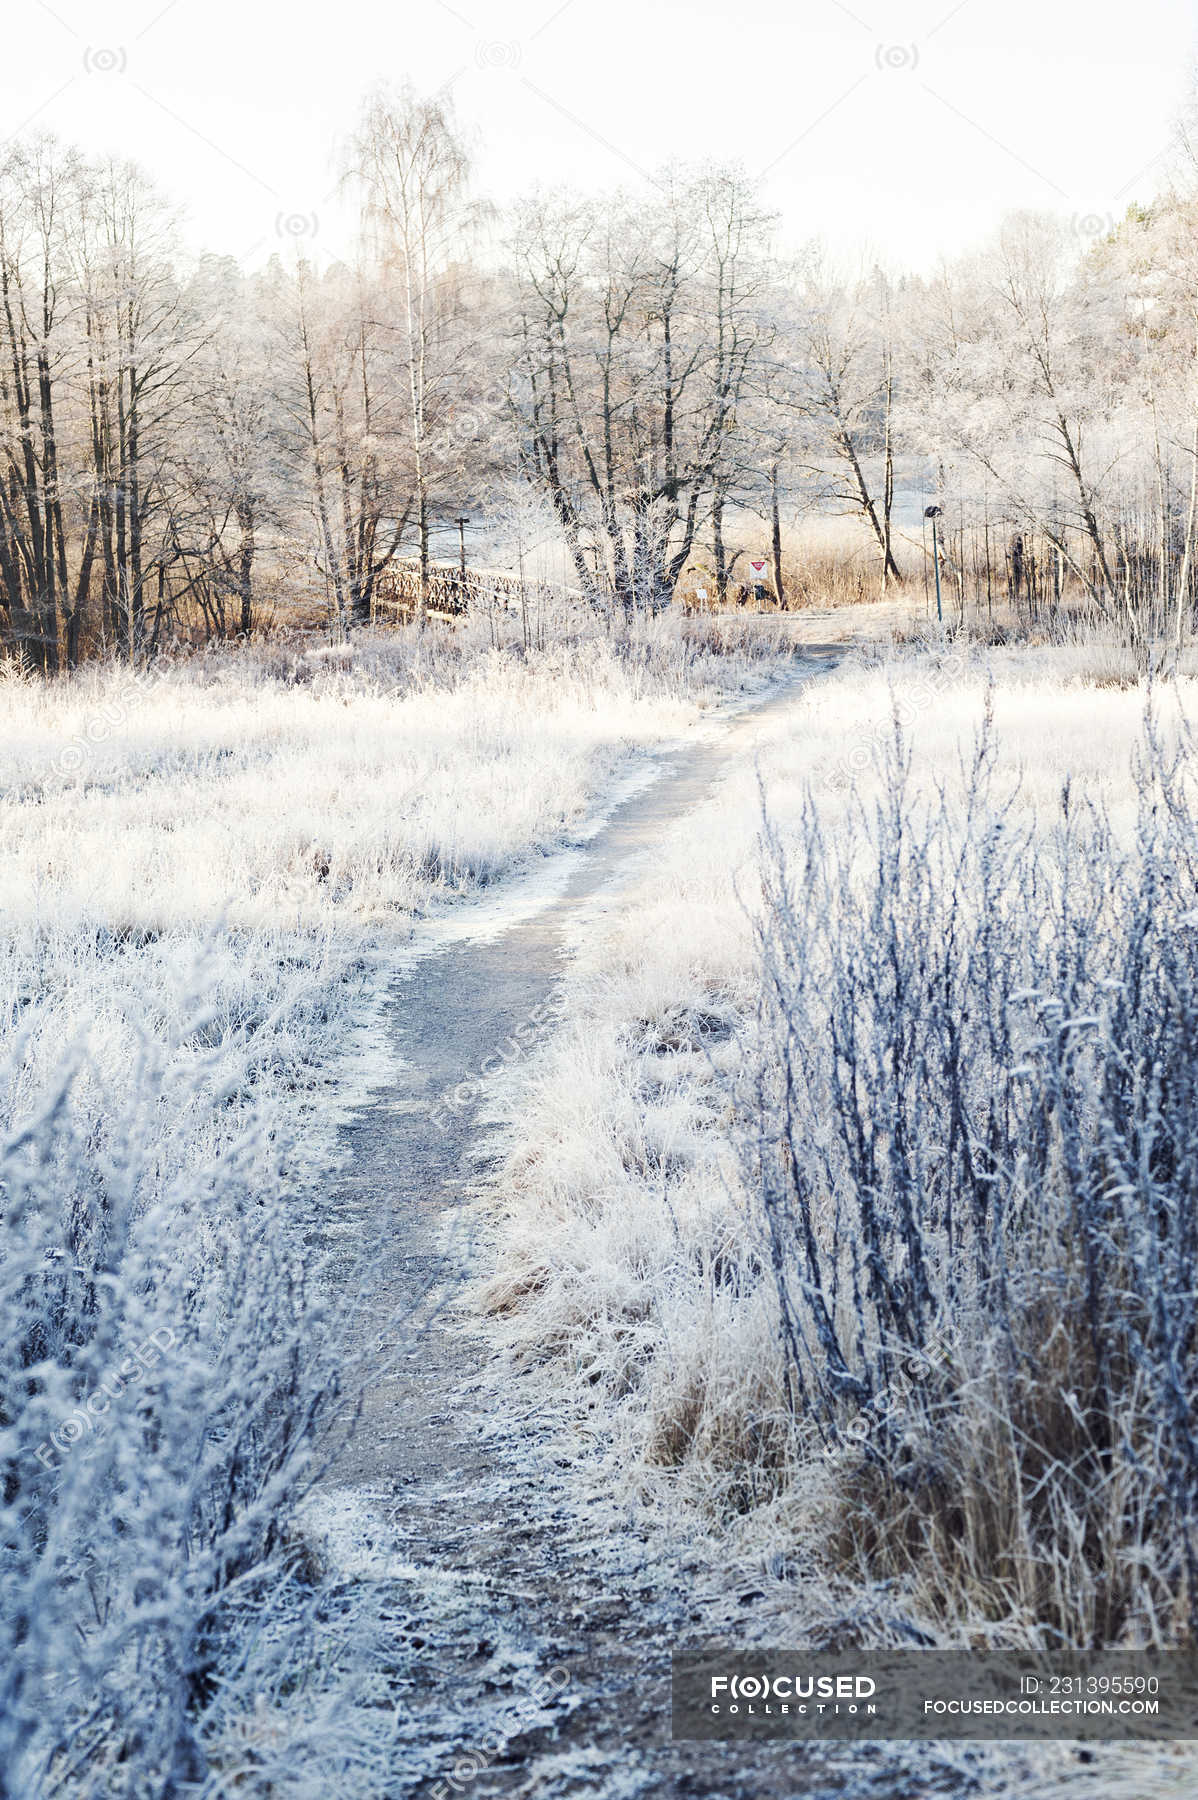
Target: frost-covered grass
[(813, 1036), (355, 786), (213, 855), (206, 871)]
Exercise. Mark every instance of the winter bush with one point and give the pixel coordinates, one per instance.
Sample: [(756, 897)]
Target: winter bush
[(978, 1116), (164, 1366)]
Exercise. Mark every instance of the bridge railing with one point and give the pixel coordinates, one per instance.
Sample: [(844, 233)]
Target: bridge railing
[(450, 596)]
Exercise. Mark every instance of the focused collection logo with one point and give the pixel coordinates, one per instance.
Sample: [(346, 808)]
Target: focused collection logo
[(801, 1693)]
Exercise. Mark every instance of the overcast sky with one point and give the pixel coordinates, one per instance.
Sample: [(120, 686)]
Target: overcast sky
[(904, 128)]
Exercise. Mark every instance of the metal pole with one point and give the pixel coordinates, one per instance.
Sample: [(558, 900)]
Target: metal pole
[(461, 525), (933, 513)]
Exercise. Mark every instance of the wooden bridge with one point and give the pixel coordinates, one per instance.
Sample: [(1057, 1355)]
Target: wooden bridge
[(451, 594)]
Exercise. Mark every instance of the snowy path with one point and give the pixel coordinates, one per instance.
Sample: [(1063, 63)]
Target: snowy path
[(491, 1569)]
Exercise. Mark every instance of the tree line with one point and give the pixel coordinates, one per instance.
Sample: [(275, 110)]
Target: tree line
[(191, 449)]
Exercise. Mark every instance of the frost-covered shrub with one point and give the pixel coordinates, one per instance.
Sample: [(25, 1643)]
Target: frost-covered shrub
[(976, 1096), (162, 1367)]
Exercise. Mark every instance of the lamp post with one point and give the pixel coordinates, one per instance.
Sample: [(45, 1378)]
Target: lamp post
[(933, 513), (461, 525)]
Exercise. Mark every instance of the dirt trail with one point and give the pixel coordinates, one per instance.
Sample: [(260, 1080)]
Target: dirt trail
[(492, 1565)]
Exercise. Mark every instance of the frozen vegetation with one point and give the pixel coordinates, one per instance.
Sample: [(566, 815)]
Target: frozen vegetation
[(209, 869), (855, 1197)]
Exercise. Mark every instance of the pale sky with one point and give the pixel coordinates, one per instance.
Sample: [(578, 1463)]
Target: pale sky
[(907, 128)]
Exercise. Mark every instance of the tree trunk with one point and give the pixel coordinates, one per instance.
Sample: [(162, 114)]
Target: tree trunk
[(1183, 574), (880, 530), (245, 567), (422, 608), (776, 537), (719, 551)]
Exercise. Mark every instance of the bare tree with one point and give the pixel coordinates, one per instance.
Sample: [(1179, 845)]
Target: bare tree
[(412, 173), (236, 472), (638, 325), (34, 183), (845, 386), (139, 344)]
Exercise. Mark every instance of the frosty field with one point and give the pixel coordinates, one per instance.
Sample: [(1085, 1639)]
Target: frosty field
[(276, 1456), (207, 877), (241, 841)]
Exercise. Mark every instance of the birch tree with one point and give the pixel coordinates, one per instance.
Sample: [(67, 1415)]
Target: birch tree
[(412, 173)]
